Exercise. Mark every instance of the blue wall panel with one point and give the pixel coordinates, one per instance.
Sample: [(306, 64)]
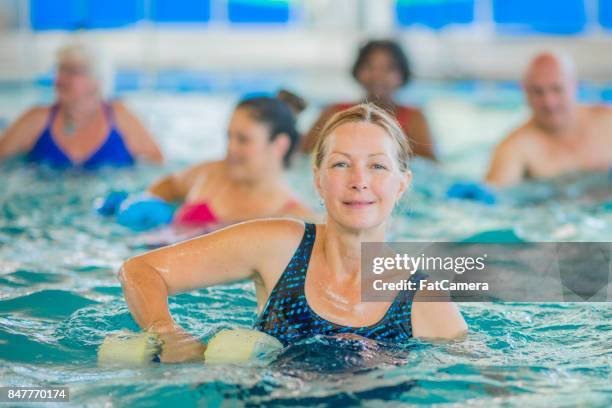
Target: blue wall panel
[(84, 14), (180, 11), (114, 13), (605, 13), (562, 17), (57, 14), (435, 14), (258, 11)]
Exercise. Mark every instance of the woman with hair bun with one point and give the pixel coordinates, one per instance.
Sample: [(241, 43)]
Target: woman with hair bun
[(248, 183)]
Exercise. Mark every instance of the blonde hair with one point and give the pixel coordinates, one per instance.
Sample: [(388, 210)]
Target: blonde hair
[(95, 60), (369, 113)]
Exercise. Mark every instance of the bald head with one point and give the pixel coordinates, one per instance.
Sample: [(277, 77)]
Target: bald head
[(550, 85), (551, 63)]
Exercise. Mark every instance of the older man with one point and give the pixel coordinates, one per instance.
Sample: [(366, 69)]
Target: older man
[(561, 136)]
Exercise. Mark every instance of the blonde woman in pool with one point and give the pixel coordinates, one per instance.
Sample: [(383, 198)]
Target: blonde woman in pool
[(307, 277)]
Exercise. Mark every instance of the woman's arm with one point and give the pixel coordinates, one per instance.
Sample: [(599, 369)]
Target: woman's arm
[(508, 163), (436, 320), (420, 136), (139, 141), (22, 134), (168, 189), (256, 249), (176, 186)]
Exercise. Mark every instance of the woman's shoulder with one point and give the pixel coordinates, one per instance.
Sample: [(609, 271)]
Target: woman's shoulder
[(435, 316), (202, 169), (272, 228), (409, 110), (34, 120), (410, 116), (38, 113), (117, 105), (122, 113), (22, 134), (214, 166), (337, 107), (271, 238)]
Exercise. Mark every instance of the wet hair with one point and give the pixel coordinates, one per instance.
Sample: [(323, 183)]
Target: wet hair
[(280, 114), (369, 113), (394, 50)]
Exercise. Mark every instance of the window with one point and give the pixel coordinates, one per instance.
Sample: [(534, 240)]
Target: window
[(435, 14), (541, 16)]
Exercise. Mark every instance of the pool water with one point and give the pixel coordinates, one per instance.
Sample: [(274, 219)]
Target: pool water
[(59, 295)]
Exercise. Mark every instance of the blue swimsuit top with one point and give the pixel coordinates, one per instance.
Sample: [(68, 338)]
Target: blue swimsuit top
[(288, 317), (112, 152)]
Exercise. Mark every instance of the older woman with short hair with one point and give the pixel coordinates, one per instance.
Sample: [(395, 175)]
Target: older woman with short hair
[(80, 129)]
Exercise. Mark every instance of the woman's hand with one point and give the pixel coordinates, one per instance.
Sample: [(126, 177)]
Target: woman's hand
[(178, 346)]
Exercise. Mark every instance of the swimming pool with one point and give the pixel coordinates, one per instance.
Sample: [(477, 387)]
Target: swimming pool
[(59, 296)]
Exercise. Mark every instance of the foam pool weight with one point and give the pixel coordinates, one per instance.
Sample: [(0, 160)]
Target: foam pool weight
[(240, 345), (227, 346), (127, 348)]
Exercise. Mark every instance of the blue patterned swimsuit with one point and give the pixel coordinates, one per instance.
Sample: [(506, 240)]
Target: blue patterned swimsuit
[(288, 317)]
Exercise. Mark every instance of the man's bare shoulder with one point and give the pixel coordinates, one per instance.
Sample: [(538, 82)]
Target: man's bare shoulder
[(600, 112)]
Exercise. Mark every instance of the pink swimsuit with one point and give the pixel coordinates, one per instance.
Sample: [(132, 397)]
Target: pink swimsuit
[(199, 214), (195, 214)]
